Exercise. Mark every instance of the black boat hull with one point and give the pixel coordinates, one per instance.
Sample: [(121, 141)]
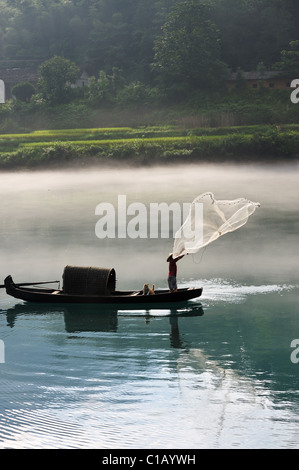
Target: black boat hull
[(34, 294)]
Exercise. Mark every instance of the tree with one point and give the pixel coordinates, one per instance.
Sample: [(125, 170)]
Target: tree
[(188, 51), (56, 76), (23, 91), (289, 59), (253, 31), (240, 83), (99, 89)]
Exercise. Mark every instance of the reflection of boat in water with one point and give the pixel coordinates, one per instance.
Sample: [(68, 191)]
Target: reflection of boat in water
[(88, 285), (76, 317), (79, 317)]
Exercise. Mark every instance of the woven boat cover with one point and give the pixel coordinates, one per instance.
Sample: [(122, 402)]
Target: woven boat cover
[(88, 280)]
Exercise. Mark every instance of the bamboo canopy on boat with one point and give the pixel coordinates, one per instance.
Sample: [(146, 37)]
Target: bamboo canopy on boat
[(88, 280)]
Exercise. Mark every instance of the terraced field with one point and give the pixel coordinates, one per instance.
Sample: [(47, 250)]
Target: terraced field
[(57, 147)]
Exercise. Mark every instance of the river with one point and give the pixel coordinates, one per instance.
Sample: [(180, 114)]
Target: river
[(220, 373)]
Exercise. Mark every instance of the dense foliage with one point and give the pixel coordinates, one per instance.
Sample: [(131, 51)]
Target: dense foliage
[(149, 62), (103, 34), (188, 51)]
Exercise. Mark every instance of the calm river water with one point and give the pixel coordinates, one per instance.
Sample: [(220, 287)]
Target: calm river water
[(220, 373)]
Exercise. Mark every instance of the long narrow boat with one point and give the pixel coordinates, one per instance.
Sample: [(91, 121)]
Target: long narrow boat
[(37, 294)]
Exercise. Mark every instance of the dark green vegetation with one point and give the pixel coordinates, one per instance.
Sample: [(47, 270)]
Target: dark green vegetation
[(156, 68), (201, 109), (147, 145), (102, 34)]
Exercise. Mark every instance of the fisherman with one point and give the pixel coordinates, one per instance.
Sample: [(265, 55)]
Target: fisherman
[(172, 272)]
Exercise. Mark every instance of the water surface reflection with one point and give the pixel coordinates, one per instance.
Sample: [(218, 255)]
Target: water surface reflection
[(94, 318), (75, 377)]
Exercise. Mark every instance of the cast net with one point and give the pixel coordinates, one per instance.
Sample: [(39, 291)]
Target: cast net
[(208, 219)]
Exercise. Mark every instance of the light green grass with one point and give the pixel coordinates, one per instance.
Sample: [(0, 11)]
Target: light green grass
[(147, 144), (116, 141)]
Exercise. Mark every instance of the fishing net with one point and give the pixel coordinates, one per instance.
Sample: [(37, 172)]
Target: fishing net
[(208, 219)]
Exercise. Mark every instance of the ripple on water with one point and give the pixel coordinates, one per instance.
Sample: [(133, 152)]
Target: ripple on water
[(129, 388), (222, 290)]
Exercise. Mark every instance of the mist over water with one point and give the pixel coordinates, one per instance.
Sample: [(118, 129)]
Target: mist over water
[(214, 374), (48, 220)]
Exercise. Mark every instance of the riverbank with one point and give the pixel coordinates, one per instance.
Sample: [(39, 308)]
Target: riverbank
[(160, 144)]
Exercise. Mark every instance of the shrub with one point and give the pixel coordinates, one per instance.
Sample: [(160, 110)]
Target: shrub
[(23, 91)]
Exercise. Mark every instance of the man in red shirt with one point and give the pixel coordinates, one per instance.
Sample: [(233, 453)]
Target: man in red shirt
[(172, 272)]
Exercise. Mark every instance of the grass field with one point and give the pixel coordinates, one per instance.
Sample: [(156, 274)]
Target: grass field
[(50, 147)]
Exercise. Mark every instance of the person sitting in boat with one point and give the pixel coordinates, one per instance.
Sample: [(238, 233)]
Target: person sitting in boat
[(172, 272)]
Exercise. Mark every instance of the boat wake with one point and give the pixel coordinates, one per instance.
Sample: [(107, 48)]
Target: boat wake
[(221, 290)]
